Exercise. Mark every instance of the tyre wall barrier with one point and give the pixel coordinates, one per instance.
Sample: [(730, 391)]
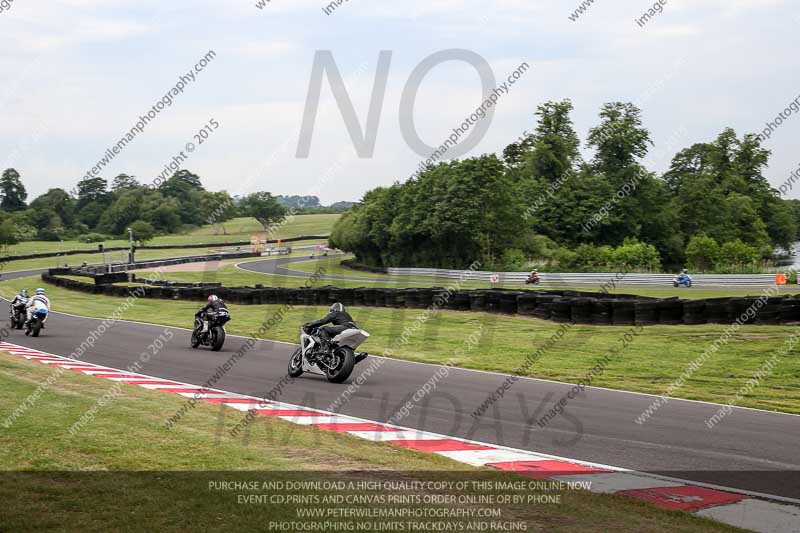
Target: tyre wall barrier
[(558, 306)]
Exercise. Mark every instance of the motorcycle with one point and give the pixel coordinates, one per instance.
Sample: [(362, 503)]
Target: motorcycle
[(682, 279), (214, 336), (17, 314), (37, 322), (532, 280), (336, 362)]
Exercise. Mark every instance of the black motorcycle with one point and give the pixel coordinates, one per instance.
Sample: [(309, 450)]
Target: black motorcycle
[(214, 336), (17, 314)]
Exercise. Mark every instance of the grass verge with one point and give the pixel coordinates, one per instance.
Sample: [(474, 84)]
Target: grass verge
[(125, 472)]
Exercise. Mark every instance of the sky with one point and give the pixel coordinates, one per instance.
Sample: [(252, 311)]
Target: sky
[(76, 75)]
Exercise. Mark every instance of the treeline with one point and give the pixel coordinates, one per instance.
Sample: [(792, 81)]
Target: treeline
[(542, 203), (94, 211)]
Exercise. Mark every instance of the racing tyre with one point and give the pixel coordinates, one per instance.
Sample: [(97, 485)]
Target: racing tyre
[(219, 339), (675, 284), (296, 364), (345, 361), (195, 339), (37, 327)]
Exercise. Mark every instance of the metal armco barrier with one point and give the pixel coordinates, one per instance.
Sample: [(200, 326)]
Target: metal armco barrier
[(593, 278)]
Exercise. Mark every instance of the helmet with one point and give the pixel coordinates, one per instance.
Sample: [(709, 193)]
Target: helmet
[(213, 298), (685, 271), (535, 271), (40, 291), (24, 293), (337, 307)]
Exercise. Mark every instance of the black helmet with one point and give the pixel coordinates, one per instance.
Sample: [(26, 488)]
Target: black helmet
[(337, 307)]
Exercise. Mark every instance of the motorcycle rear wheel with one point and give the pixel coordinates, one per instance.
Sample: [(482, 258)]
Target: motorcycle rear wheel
[(296, 364), (346, 363), (37, 327), (218, 340)]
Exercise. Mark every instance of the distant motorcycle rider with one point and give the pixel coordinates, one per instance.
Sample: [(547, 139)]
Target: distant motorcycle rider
[(215, 305), (38, 302), (340, 319)]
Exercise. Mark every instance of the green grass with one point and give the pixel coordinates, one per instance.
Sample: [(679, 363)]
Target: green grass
[(125, 472), (238, 229), (652, 361)]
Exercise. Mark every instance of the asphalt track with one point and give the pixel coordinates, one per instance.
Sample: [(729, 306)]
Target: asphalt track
[(749, 450)]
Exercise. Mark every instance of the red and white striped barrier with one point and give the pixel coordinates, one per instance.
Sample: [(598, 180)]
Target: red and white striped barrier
[(732, 506)]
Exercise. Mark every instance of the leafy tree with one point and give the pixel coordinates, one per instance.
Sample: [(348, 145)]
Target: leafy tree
[(702, 253), (124, 182), (12, 191), (619, 140), (58, 201), (737, 253), (263, 207), (8, 232), (143, 231)]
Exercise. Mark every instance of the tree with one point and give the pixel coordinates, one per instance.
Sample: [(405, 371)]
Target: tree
[(143, 231), (702, 253), (263, 207), (8, 232), (737, 253), (58, 201), (124, 182), (619, 140), (12, 191)]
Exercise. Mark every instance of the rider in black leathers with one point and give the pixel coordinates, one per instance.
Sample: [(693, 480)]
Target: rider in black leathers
[(340, 319), (214, 305)]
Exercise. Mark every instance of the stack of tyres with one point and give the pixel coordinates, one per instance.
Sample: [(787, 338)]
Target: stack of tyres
[(493, 301), (694, 312), (623, 312), (646, 312), (358, 296), (389, 298), (461, 300), (346, 296), (271, 295), (477, 300), (670, 311), (602, 312), (544, 305), (508, 302), (369, 297), (425, 298), (561, 310), (770, 313), (717, 311), (582, 310), (412, 298), (790, 310), (323, 293), (526, 304)]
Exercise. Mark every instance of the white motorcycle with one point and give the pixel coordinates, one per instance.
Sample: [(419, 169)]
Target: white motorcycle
[(335, 363)]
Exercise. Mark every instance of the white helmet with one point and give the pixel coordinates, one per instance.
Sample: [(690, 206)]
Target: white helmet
[(337, 307)]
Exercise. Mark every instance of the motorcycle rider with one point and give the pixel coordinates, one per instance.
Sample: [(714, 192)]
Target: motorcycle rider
[(39, 301), (19, 300), (214, 305), (340, 319)]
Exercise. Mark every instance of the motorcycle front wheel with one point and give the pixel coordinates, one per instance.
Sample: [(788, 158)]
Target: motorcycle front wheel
[(296, 364), (345, 361), (195, 339)]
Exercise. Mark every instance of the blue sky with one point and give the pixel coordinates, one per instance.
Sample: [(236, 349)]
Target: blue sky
[(75, 75)]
